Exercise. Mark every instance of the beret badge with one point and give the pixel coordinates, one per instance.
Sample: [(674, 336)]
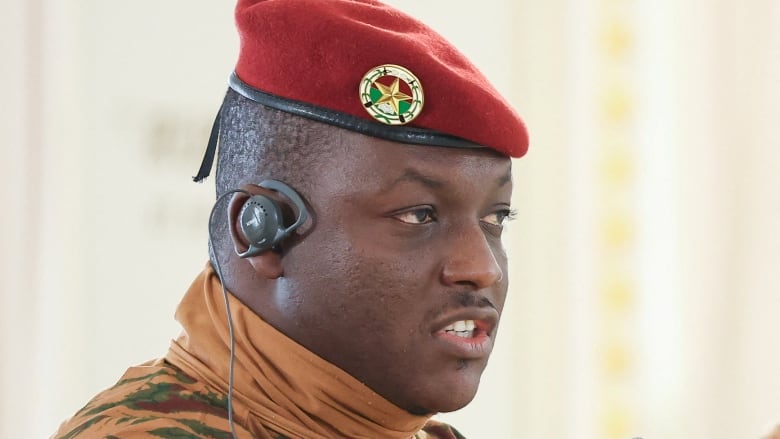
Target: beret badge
[(391, 94)]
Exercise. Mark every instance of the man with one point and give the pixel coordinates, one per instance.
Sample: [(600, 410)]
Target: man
[(357, 281)]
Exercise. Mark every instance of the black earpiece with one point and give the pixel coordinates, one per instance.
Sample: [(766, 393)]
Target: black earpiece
[(262, 222)]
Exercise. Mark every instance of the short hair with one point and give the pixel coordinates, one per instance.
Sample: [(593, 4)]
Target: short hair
[(256, 143)]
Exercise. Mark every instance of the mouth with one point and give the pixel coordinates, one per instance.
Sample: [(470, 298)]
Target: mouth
[(461, 328), (467, 335)]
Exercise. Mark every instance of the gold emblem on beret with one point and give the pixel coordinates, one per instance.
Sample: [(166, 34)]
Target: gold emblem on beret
[(391, 94)]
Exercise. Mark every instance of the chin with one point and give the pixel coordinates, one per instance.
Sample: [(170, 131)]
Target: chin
[(451, 403), (454, 405), (448, 394)]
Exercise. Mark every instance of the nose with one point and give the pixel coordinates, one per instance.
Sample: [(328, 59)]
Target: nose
[(471, 259)]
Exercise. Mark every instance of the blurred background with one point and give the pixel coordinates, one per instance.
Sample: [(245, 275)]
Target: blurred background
[(645, 286)]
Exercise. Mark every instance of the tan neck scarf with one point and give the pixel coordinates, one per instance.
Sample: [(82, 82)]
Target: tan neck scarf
[(279, 384)]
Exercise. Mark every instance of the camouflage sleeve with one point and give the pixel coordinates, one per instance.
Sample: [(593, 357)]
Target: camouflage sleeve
[(152, 401)]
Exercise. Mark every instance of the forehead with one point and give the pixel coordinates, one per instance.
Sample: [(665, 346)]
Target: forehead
[(373, 165)]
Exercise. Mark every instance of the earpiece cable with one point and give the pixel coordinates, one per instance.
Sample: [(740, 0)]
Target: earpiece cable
[(218, 269)]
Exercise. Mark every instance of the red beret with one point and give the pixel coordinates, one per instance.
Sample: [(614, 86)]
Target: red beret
[(367, 67)]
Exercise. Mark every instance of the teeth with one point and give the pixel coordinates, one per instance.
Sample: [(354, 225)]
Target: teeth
[(462, 328)]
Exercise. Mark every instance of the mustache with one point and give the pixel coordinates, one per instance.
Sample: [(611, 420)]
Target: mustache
[(466, 299)]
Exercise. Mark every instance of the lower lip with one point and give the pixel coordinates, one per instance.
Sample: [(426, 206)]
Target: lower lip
[(478, 346)]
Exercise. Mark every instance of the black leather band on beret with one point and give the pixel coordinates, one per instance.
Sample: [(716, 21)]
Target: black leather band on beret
[(402, 134)]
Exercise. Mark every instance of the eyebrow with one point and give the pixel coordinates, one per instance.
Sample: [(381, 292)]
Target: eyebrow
[(412, 175)]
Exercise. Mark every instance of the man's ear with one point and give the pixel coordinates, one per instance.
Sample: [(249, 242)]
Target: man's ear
[(267, 264)]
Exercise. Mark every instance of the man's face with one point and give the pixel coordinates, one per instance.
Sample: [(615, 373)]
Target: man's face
[(402, 279)]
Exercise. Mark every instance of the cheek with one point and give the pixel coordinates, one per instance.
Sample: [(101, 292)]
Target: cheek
[(381, 289), (398, 292), (370, 287)]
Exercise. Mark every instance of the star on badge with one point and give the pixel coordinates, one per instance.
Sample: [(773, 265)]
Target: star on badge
[(391, 94)]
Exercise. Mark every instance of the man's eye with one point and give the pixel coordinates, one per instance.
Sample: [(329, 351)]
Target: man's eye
[(423, 215), (499, 218)]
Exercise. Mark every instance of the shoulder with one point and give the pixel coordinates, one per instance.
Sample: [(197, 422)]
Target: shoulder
[(151, 400), (438, 430)]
